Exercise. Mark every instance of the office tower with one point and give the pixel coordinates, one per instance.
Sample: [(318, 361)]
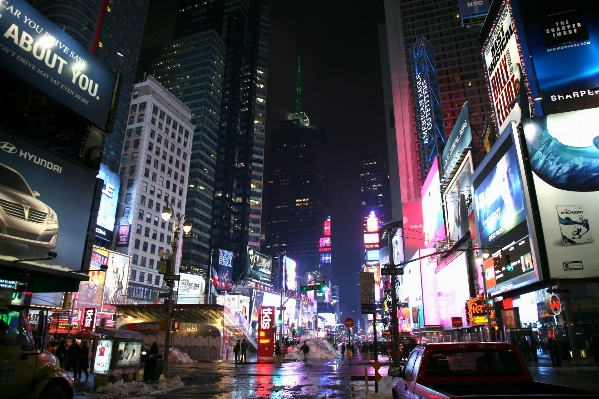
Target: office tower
[(192, 69), (375, 192), (154, 167), (296, 193), (460, 77), (112, 30)]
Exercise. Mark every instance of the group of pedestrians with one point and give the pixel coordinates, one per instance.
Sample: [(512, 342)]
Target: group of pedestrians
[(240, 350), (559, 351), (74, 357)]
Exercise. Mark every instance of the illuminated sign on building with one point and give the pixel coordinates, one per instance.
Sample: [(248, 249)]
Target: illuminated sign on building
[(290, 274), (222, 276), (108, 203), (432, 207), (89, 319), (372, 223), (266, 336), (259, 265), (103, 356)]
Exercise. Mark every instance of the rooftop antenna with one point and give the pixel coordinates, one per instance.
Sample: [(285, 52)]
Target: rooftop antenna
[(299, 115)]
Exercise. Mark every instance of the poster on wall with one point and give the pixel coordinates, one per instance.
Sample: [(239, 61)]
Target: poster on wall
[(458, 200), (506, 73), (432, 207), (38, 214), (108, 203), (191, 288), (222, 275), (117, 278), (128, 354), (565, 166), (558, 30), (102, 356)]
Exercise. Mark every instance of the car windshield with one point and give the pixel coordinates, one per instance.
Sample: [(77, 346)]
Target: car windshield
[(13, 180), (473, 363)]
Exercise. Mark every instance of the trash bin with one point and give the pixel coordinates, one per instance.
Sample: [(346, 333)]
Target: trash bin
[(153, 368)]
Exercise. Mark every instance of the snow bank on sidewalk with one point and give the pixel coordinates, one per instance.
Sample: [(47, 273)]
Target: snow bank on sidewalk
[(138, 389), (319, 349)]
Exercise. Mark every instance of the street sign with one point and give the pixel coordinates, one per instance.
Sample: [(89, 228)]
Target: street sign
[(283, 308), (457, 322), (311, 287), (348, 322), (367, 292), (392, 272), (163, 295), (172, 277)]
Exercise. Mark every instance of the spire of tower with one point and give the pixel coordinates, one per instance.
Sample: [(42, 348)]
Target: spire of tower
[(298, 98)]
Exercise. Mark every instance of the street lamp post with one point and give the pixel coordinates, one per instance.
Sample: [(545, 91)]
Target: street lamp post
[(166, 215)]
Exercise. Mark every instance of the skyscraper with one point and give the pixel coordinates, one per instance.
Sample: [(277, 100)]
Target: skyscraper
[(154, 168), (226, 199), (459, 70), (375, 191), (112, 30)]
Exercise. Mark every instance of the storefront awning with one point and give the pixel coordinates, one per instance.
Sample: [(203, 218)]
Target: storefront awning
[(184, 313)]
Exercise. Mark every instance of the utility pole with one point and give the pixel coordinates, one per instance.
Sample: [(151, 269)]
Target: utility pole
[(390, 228)]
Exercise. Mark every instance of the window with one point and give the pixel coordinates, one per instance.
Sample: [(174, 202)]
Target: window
[(131, 120), (149, 278), (125, 158), (151, 261), (155, 164), (134, 156), (148, 220), (161, 239), (147, 172), (156, 217), (162, 167), (138, 131), (154, 176), (126, 146), (141, 277), (157, 152), (163, 225), (153, 121), (136, 143), (174, 188), (161, 115), (182, 179), (154, 109), (159, 194), (150, 146), (122, 172), (142, 200), (144, 246), (160, 125), (149, 159), (131, 170), (164, 155), (157, 281), (168, 184), (182, 167), (159, 139), (143, 261), (150, 203), (142, 106), (128, 133), (152, 133), (179, 201), (133, 274), (166, 144), (140, 118), (168, 120), (170, 159), (140, 215), (126, 212), (138, 229), (178, 152), (135, 94), (177, 163), (137, 243), (144, 187), (127, 198), (169, 172), (154, 234), (161, 181), (129, 184), (152, 189), (184, 156), (134, 259), (133, 108), (158, 208)]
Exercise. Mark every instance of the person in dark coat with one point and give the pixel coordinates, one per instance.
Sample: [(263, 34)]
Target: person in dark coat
[(533, 348), (236, 350), (61, 354), (153, 349), (73, 357), (244, 348), (83, 361), (343, 349), (555, 352)]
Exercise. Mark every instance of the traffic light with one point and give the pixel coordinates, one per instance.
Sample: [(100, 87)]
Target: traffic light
[(506, 259), (279, 321), (323, 287)]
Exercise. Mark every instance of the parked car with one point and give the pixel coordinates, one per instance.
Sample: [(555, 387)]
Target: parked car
[(456, 370)]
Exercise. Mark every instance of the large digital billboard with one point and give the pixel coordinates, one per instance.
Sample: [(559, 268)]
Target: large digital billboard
[(502, 218), (91, 292), (191, 288), (290, 274), (457, 198), (108, 203), (432, 207), (222, 276), (563, 40), (452, 290), (45, 204), (506, 73), (259, 266), (117, 278), (39, 52), (413, 238), (459, 139), (564, 159)]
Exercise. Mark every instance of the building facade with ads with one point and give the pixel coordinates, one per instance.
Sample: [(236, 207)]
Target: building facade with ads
[(432, 208)]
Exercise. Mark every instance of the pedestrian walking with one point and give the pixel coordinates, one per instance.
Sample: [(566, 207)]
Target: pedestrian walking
[(236, 350), (594, 350), (555, 350), (534, 344), (83, 363), (244, 348), (153, 349), (565, 347), (343, 350), (524, 348), (61, 354), (73, 357), (305, 350)]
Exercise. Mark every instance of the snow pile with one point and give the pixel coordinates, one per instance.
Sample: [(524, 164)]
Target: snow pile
[(122, 389), (384, 391), (176, 356), (319, 349)]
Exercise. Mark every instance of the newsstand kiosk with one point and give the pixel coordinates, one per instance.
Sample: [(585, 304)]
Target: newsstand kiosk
[(116, 355)]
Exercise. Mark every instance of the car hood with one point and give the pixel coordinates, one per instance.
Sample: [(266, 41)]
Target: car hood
[(23, 199)]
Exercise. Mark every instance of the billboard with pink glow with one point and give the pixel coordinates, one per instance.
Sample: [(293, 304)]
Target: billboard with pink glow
[(429, 289), (433, 224), (412, 227), (452, 289)]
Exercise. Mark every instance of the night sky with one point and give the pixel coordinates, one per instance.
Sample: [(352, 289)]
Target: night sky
[(341, 89)]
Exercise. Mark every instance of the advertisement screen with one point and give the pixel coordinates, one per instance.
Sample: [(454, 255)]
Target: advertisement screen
[(458, 201), (411, 291), (222, 278), (563, 30), (506, 73), (259, 265), (102, 356), (191, 288), (42, 54), (128, 354), (38, 212), (452, 290), (432, 207), (564, 160), (372, 255), (412, 226), (473, 11), (108, 203), (325, 257), (117, 278), (459, 139), (266, 336), (371, 238), (290, 274), (91, 292), (429, 289), (122, 239)]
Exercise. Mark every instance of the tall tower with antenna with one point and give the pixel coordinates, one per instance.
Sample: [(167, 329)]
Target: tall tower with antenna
[(299, 115)]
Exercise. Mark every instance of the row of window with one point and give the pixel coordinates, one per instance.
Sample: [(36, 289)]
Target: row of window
[(142, 277)]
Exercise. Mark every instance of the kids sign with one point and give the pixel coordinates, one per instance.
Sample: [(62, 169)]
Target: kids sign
[(266, 323)]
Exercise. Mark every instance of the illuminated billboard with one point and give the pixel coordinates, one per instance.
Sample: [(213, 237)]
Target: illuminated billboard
[(413, 239), (46, 202), (502, 220), (191, 288), (452, 290), (372, 223), (458, 200), (563, 41), (259, 266), (266, 336), (432, 207), (506, 73), (43, 55), (327, 227), (290, 274), (459, 139), (117, 278), (324, 244), (108, 203), (325, 257), (564, 159), (372, 255), (473, 12), (91, 292), (222, 276)]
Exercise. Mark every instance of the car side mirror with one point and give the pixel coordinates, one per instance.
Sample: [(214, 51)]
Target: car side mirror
[(395, 372)]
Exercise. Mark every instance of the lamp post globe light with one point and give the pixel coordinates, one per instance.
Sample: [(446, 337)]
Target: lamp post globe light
[(167, 212)]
